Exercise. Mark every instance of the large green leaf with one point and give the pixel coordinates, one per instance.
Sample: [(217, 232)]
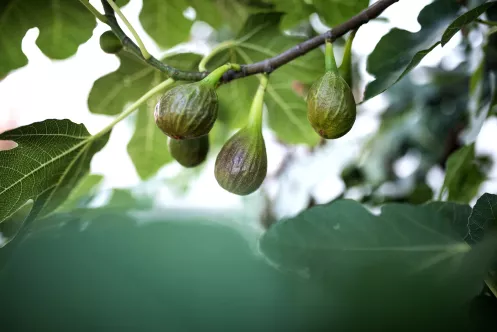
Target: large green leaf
[(335, 12), (483, 219), (49, 160), (456, 214), (63, 25), (259, 39), (463, 176), (463, 20), (399, 51), (190, 270), (405, 252)]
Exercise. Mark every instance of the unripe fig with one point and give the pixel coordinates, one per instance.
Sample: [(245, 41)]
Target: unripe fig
[(241, 165), (109, 42), (190, 110), (189, 152), (331, 108)]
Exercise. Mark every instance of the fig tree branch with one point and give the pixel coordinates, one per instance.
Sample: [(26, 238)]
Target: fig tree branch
[(266, 66)]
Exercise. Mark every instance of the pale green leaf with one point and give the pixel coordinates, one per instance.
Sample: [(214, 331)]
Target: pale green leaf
[(49, 160), (81, 193), (63, 25), (335, 12), (260, 39), (164, 21), (111, 93), (463, 176)]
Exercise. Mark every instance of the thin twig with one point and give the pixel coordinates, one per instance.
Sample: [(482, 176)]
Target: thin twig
[(140, 43), (264, 66)]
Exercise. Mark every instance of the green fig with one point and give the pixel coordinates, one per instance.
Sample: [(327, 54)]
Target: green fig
[(109, 42), (331, 107), (241, 165), (189, 152), (190, 110)]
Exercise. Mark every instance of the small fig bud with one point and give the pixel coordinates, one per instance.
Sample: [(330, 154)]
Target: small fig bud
[(331, 107), (241, 165), (190, 110), (187, 111), (109, 42), (189, 152)]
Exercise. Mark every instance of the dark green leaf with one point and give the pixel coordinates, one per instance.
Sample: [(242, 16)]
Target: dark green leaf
[(50, 159), (483, 219), (463, 176), (10, 227), (399, 51), (259, 39), (63, 25), (463, 20), (456, 214), (138, 260), (406, 252), (335, 12)]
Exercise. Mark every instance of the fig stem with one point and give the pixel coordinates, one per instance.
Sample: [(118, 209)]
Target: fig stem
[(255, 115), (346, 66), (94, 11), (143, 50), (133, 107), (330, 62), (213, 78), (202, 66)]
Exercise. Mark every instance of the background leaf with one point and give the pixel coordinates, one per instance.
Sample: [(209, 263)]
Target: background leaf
[(50, 159), (82, 193), (399, 51), (60, 34), (463, 20), (164, 21), (335, 12), (259, 39), (483, 219), (407, 251), (463, 176)]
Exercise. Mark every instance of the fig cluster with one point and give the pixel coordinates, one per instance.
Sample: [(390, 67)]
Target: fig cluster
[(187, 113)]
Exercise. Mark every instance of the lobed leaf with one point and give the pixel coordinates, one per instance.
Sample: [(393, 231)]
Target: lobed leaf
[(60, 33), (50, 158)]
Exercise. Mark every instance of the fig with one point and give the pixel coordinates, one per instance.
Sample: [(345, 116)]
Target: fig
[(109, 43), (189, 152), (190, 110), (331, 107), (241, 165)]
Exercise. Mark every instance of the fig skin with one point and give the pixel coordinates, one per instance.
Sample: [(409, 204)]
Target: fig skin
[(241, 165), (189, 152), (187, 111), (331, 108), (109, 43)]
